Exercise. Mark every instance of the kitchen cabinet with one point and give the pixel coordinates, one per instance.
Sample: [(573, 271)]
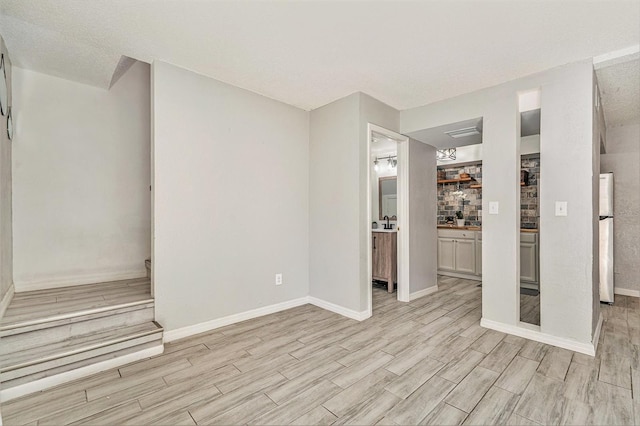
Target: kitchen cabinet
[(384, 246), (457, 251), (529, 258), (460, 255)]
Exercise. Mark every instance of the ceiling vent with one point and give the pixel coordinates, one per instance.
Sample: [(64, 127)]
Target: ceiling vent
[(461, 133)]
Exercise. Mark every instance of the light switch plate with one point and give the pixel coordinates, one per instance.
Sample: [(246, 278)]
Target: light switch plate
[(494, 207), (561, 208)]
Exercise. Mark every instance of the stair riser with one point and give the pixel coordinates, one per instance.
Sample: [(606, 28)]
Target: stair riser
[(75, 326), (59, 365)]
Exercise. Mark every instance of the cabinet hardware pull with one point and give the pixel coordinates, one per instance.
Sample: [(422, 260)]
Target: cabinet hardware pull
[(374, 243)]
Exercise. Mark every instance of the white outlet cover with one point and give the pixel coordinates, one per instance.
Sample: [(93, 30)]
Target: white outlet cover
[(494, 207), (561, 208)]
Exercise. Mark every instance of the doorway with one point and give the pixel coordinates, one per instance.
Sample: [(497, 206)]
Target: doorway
[(387, 201)]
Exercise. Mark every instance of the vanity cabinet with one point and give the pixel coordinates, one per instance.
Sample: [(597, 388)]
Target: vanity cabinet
[(457, 251), (384, 246)]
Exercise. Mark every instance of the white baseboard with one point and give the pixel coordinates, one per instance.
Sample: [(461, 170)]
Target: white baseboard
[(626, 292), (531, 334), (596, 334), (6, 299), (349, 313), (458, 275), (78, 373), (421, 293), (203, 327), (74, 280)]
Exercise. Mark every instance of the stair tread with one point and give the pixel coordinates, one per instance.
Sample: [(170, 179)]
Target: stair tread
[(24, 314), (14, 356)]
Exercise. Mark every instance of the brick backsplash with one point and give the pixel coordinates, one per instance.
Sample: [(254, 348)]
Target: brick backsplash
[(448, 203)]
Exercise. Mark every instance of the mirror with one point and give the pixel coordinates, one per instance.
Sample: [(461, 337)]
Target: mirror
[(388, 197), (4, 94)]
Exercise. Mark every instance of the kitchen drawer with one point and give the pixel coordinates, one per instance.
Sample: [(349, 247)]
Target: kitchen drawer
[(528, 237), (457, 234)]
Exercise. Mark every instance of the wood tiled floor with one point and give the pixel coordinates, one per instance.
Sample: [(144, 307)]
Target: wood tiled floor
[(426, 362)]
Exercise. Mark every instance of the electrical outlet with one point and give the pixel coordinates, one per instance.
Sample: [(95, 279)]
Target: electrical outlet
[(494, 207), (278, 279)]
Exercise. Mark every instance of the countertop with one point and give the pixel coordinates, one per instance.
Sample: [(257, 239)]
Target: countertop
[(478, 228)]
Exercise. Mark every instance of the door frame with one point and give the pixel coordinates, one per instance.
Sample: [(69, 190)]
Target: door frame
[(402, 141)]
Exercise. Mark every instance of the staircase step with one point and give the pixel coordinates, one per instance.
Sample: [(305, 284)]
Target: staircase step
[(74, 352), (55, 335)]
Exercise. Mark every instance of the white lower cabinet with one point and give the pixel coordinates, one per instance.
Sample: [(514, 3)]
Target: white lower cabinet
[(446, 254), (457, 252), (466, 256), (460, 253)]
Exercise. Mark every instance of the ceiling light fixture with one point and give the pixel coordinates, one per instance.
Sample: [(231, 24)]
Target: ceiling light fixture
[(461, 133), (392, 162), (447, 154)]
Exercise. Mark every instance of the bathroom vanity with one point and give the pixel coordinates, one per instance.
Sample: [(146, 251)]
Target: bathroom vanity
[(384, 246)]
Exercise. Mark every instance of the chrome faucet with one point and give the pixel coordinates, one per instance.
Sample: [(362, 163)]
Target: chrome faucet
[(387, 225)]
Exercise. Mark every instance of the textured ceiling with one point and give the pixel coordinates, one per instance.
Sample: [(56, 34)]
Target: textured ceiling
[(309, 53), (620, 91)]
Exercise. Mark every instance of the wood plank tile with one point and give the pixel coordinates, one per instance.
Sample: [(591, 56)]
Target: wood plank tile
[(494, 408), (580, 383), (304, 402), (112, 416), (372, 411), (444, 414), (317, 416), (413, 378), (211, 407), (613, 405), (420, 403), (517, 375), (541, 401), (471, 390), (500, 357), (42, 407), (488, 341), (456, 370), (555, 363), (284, 392), (90, 408), (534, 350), (350, 375), (248, 410), (359, 392)]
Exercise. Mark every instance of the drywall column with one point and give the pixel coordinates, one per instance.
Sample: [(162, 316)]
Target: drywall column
[(334, 221), (567, 243), (423, 243), (501, 231)]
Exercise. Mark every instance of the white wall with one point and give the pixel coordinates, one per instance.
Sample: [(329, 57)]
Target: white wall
[(231, 199), (81, 194), (6, 237), (567, 251), (423, 213), (622, 158), (334, 211), (339, 227)]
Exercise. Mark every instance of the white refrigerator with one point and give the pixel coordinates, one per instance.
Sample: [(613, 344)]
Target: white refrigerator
[(606, 237)]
